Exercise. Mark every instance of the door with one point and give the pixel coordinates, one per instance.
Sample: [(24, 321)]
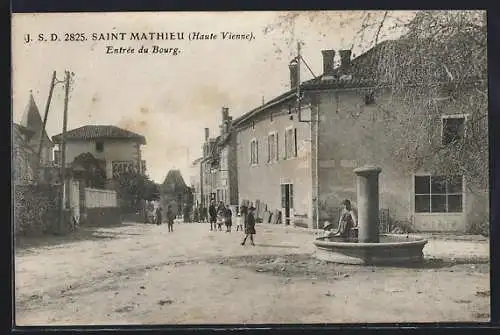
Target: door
[(287, 201)]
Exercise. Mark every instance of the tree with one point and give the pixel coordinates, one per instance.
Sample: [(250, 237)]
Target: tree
[(439, 59), (132, 187)]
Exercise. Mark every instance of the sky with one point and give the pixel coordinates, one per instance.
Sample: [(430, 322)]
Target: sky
[(169, 99)]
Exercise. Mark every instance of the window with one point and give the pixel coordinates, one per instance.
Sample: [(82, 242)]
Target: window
[(290, 142), (453, 129), (254, 152), (272, 147), (438, 194), (99, 146), (57, 157)]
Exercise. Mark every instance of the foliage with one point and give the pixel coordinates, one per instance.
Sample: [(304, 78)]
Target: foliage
[(437, 65), (132, 187)]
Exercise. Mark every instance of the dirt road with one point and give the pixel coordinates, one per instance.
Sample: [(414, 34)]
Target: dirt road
[(141, 274)]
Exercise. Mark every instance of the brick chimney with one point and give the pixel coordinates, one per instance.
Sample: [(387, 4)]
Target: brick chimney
[(345, 59), (294, 68), (328, 61), (207, 134)]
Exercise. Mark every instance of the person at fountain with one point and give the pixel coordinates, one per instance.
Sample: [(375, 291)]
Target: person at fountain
[(249, 226), (170, 218), (347, 220), (228, 218), (212, 211)]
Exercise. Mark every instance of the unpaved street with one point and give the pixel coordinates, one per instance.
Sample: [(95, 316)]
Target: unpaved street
[(141, 274)]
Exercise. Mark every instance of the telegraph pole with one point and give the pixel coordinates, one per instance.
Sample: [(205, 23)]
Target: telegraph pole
[(63, 152), (47, 106), (298, 76)]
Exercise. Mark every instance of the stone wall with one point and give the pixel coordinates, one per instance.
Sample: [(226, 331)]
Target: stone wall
[(102, 217), (35, 209)]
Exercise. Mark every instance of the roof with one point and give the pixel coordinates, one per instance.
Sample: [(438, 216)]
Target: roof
[(92, 132), (369, 69), (31, 117), (22, 129), (174, 182), (32, 121)]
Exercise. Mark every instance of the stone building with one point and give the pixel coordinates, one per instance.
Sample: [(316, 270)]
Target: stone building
[(218, 165), (299, 157)]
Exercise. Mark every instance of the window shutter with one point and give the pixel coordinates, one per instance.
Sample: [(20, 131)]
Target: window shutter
[(277, 148), (295, 141), (286, 144), (291, 195), (256, 151), (268, 148)]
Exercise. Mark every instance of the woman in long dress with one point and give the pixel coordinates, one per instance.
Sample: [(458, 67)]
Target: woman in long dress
[(347, 220)]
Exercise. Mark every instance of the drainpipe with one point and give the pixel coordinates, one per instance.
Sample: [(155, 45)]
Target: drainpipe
[(317, 166)]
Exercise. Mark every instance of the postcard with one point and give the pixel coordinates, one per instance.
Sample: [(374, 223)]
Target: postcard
[(302, 167)]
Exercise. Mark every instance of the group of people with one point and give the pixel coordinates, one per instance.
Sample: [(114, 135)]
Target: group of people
[(157, 214), (223, 215)]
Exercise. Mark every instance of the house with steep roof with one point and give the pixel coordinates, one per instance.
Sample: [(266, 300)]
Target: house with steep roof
[(117, 149), (175, 192), (386, 107), (26, 138), (32, 121)]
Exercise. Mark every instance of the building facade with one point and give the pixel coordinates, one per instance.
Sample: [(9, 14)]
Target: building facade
[(298, 156), (120, 149)]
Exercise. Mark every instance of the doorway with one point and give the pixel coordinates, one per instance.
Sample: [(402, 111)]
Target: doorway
[(287, 202)]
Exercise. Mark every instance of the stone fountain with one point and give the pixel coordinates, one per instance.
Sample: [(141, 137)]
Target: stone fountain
[(369, 247)]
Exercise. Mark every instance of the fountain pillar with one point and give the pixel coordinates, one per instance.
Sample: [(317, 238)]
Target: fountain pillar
[(368, 203)]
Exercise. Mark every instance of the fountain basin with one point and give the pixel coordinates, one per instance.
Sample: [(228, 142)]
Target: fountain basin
[(390, 250)]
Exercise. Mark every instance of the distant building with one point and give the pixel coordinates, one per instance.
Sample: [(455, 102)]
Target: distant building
[(118, 149), (195, 180), (175, 192), (219, 175)]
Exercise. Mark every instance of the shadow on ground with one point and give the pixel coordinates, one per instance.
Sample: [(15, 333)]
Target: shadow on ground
[(306, 266), (82, 234)]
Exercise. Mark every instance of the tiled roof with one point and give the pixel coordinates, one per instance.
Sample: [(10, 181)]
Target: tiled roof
[(100, 132), (31, 117), (369, 69)]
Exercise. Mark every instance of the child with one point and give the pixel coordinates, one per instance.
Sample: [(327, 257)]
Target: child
[(228, 219), (239, 222), (249, 226)]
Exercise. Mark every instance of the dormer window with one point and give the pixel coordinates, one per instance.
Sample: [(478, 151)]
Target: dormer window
[(99, 146)]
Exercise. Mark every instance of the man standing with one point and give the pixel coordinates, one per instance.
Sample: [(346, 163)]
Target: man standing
[(212, 211), (157, 211)]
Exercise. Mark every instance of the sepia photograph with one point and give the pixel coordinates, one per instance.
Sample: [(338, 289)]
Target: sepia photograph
[(264, 167)]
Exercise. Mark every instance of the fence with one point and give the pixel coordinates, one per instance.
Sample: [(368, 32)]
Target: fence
[(98, 198)]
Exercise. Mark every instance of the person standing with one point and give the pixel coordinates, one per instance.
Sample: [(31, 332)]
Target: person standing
[(157, 211), (221, 215), (249, 226), (170, 218), (212, 211), (239, 221), (228, 220)]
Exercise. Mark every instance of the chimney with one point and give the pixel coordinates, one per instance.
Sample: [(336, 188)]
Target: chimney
[(345, 58), (293, 66), (206, 134), (225, 113), (328, 61)]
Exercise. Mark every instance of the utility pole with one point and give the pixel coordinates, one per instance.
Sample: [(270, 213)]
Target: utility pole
[(47, 106), (298, 76), (63, 153)]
